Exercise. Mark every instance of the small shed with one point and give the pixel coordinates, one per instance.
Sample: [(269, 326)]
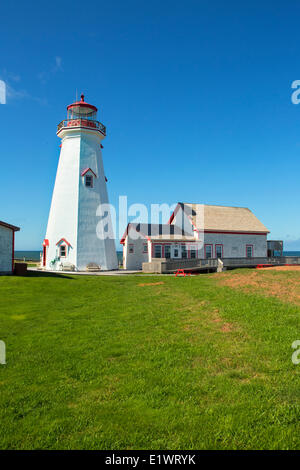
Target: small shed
[(7, 247), (275, 248)]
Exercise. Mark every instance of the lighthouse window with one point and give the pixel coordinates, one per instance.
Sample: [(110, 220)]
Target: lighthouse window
[(89, 181), (63, 251)]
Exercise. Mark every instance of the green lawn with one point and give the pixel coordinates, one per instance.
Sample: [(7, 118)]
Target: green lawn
[(108, 363)]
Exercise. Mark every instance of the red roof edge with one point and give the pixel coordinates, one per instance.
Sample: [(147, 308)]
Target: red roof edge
[(63, 240), (174, 213), (86, 170), (82, 104), (12, 227), (122, 241)]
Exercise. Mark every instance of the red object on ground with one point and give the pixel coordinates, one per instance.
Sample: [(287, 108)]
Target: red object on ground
[(182, 272), (259, 266)]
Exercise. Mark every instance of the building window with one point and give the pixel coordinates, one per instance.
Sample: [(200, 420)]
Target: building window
[(193, 252), (89, 181), (208, 251), (63, 251), (131, 248), (219, 251), (145, 248), (183, 251), (167, 251), (249, 251), (157, 251), (175, 253)]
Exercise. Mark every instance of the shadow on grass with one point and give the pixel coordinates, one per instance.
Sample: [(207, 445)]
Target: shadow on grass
[(46, 274)]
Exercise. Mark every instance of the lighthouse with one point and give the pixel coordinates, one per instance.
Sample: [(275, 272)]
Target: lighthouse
[(79, 233)]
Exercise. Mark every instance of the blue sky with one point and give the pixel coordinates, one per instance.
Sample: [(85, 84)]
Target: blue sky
[(196, 97)]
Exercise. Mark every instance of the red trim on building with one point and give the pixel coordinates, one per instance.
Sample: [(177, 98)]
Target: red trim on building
[(82, 104), (44, 255), (171, 218), (63, 240), (122, 241), (45, 244), (86, 170), (174, 213), (12, 227), (212, 249), (221, 245), (236, 233)]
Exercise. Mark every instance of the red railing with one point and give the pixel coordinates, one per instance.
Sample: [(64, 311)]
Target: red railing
[(87, 123)]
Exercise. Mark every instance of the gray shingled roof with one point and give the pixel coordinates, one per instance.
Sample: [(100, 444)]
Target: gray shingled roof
[(224, 218)]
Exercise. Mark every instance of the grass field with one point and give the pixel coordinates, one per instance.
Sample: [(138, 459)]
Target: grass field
[(150, 362)]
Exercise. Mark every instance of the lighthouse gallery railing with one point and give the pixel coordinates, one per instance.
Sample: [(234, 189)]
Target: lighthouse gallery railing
[(82, 123)]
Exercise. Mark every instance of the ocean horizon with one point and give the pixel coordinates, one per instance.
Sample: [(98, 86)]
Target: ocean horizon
[(35, 255)]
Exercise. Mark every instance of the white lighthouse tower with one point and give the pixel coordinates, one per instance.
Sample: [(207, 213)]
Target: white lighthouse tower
[(79, 232)]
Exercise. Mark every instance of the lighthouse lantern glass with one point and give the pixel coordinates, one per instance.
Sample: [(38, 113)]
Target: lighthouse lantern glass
[(80, 112)]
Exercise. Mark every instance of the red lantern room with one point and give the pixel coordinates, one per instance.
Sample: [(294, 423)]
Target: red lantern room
[(82, 114)]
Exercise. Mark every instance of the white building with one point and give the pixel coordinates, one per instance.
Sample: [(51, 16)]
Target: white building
[(196, 231), (74, 237), (7, 247)]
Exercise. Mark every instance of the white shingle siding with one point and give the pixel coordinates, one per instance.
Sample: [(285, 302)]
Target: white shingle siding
[(134, 260), (6, 247)]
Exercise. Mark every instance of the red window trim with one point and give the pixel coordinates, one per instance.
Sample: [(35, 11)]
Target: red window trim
[(83, 173), (63, 240), (251, 246), (221, 245), (212, 249)]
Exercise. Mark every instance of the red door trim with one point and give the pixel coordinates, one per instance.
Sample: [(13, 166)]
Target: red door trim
[(44, 255)]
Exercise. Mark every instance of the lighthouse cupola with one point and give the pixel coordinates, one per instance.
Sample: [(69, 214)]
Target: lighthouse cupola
[(81, 114)]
